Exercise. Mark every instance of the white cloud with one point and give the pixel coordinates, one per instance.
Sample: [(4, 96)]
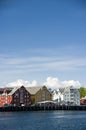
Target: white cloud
[(71, 83), (55, 83), (21, 82), (51, 82)]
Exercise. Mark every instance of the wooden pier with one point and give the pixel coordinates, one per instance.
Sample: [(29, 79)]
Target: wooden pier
[(39, 108)]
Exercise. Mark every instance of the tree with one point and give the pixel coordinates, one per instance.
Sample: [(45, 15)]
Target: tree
[(82, 91)]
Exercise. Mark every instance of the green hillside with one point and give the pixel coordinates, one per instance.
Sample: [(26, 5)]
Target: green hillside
[(82, 91)]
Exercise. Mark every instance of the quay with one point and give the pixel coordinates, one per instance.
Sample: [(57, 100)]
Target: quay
[(41, 108)]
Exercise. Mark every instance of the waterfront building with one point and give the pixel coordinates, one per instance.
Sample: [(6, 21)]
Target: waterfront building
[(83, 101), (71, 96), (57, 96), (24, 96), (20, 96), (66, 96), (47, 104), (17, 96), (4, 98), (39, 94)]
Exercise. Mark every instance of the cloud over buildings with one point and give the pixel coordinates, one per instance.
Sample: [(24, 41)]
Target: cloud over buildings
[(21, 82), (51, 82), (74, 83), (54, 82)]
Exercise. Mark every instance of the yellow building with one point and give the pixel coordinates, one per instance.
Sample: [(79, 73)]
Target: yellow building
[(39, 94)]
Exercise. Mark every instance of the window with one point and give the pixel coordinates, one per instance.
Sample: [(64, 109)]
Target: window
[(16, 95), (43, 95), (21, 95)]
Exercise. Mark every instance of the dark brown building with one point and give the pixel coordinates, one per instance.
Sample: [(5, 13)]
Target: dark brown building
[(17, 96), (20, 96)]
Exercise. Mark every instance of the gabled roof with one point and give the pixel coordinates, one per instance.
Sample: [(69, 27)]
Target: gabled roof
[(14, 90), (1, 91), (33, 90), (61, 90), (8, 90)]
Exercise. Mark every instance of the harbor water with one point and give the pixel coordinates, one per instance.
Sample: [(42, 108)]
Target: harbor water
[(43, 120)]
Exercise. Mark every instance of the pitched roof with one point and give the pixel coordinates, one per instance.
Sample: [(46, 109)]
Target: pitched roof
[(61, 90), (14, 90), (8, 90), (33, 90)]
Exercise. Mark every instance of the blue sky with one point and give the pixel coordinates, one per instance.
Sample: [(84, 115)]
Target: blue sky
[(42, 38)]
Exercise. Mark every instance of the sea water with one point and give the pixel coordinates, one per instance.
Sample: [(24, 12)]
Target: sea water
[(43, 120)]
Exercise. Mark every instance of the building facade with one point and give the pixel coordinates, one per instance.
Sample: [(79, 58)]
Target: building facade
[(4, 98), (39, 94), (83, 101), (18, 96), (66, 96), (71, 96), (24, 96), (57, 96)]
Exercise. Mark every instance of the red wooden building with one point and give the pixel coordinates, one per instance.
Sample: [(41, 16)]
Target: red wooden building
[(83, 101)]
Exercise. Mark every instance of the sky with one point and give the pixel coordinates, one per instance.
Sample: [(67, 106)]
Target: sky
[(42, 41)]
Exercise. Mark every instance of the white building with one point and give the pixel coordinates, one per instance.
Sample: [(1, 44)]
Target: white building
[(66, 96), (71, 96), (57, 96)]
